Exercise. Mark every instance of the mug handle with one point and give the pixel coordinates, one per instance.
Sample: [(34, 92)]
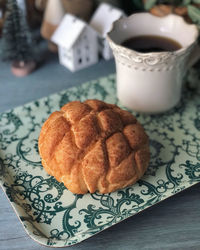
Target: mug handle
[(194, 57)]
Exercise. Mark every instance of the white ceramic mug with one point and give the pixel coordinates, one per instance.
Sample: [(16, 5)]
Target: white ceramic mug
[(152, 82)]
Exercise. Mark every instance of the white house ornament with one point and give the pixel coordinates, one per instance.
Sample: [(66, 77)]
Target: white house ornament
[(77, 43), (102, 21)]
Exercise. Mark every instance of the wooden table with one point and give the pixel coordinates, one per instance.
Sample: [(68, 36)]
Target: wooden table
[(172, 224)]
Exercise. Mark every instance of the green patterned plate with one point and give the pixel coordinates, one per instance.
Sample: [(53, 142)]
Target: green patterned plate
[(50, 213)]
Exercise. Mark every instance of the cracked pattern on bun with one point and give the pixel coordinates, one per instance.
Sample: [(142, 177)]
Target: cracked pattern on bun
[(94, 146)]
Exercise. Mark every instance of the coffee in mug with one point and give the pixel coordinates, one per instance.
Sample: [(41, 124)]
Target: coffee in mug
[(150, 43)]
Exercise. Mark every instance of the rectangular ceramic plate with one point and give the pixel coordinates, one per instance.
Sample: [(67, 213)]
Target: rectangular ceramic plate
[(54, 216)]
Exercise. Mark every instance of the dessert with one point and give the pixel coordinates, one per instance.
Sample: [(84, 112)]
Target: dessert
[(94, 146)]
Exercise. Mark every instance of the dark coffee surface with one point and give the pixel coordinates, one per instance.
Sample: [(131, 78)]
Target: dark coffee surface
[(147, 44)]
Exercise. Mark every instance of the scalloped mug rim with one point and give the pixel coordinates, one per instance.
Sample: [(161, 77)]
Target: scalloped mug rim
[(176, 52)]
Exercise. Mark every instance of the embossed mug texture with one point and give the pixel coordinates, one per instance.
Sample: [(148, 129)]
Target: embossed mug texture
[(151, 82)]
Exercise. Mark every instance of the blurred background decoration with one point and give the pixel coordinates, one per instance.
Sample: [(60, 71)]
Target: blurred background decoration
[(16, 41), (44, 16), (80, 44), (77, 43), (189, 9)]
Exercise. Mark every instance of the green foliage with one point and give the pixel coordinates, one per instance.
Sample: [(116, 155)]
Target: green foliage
[(194, 14), (149, 4), (186, 2), (16, 39), (192, 7)]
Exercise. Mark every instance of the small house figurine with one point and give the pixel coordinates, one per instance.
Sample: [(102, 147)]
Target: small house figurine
[(77, 43), (102, 21)]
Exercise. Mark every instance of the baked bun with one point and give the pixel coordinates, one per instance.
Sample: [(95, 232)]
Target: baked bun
[(94, 146)]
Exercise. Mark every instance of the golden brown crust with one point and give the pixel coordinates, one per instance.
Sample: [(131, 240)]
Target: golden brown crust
[(135, 135), (94, 146)]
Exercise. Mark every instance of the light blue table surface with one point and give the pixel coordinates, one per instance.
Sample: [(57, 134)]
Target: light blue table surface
[(172, 224)]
